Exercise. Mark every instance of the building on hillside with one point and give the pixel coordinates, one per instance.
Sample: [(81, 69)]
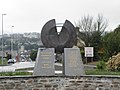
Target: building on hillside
[(32, 35)]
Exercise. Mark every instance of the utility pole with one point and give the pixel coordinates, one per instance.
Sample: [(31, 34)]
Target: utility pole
[(2, 38), (12, 41)]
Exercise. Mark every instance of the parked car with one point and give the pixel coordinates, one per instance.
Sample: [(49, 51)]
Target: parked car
[(11, 61), (23, 59)]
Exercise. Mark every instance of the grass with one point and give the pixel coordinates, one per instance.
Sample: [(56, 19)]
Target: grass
[(15, 73), (101, 72), (22, 69), (93, 63), (88, 72), (101, 69)]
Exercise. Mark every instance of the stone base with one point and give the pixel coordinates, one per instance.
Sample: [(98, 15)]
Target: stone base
[(73, 65), (44, 65)]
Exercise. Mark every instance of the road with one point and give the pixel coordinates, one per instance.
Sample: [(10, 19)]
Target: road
[(22, 65)]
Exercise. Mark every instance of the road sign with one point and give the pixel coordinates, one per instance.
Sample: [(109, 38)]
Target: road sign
[(89, 52)]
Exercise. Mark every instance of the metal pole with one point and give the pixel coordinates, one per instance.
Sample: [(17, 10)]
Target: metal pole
[(2, 37), (12, 42)]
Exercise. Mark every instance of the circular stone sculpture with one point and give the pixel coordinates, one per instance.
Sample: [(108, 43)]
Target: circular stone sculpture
[(65, 39)]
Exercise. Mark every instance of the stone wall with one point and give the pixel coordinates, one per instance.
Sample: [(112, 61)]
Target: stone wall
[(60, 83)]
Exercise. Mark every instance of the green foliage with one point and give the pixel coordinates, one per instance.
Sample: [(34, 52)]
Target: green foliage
[(101, 65), (33, 55), (14, 73), (101, 72), (117, 29), (118, 68), (96, 42), (111, 43)]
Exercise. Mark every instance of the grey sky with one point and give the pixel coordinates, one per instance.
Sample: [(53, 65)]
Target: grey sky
[(31, 15)]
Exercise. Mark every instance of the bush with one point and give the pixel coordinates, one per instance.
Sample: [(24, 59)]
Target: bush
[(33, 55), (111, 43), (101, 65)]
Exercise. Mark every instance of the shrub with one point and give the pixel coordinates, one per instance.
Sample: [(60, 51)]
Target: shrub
[(33, 55), (101, 65)]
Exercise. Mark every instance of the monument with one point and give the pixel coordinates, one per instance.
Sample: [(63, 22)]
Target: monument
[(44, 65), (65, 39), (73, 65), (62, 43)]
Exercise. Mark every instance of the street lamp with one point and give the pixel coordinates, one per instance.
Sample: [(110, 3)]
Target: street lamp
[(12, 41), (2, 37)]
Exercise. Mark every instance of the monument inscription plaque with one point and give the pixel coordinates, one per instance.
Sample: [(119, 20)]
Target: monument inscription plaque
[(44, 65), (73, 65)]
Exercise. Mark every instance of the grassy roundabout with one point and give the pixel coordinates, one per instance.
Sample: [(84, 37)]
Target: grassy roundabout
[(87, 72), (15, 73), (101, 72)]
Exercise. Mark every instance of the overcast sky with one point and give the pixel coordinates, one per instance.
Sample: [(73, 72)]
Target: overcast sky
[(31, 15)]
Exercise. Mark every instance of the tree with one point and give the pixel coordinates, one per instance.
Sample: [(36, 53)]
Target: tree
[(85, 26), (117, 29), (101, 24), (89, 27), (111, 43), (92, 31), (33, 55)]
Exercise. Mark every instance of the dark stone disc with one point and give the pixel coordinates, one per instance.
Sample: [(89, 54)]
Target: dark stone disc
[(65, 39)]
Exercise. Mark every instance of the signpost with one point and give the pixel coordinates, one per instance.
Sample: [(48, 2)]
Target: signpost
[(89, 52)]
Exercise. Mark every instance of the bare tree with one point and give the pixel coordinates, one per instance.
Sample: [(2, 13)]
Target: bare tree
[(85, 24), (101, 24), (89, 26)]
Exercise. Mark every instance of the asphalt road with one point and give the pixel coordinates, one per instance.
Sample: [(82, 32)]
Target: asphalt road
[(22, 65)]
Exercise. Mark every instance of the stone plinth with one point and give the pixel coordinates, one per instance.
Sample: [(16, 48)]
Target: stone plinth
[(44, 65), (73, 65)]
